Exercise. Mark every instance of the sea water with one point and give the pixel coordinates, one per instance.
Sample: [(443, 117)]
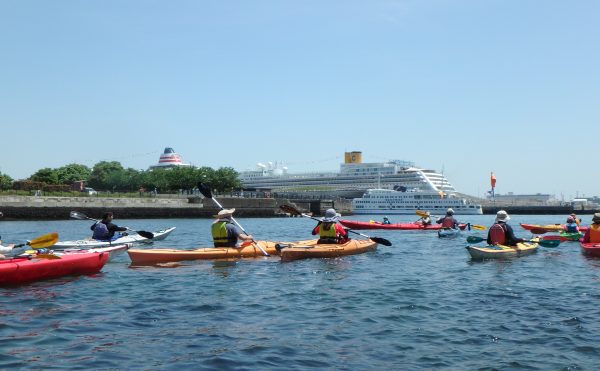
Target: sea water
[(419, 304)]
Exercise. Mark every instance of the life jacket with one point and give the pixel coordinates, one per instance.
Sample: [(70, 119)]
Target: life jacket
[(448, 222), (571, 227), (595, 233), (497, 234), (328, 233), (220, 235), (100, 232)]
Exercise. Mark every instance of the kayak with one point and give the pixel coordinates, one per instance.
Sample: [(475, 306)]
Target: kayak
[(590, 249), (448, 232), (310, 249), (155, 256), (501, 252), (549, 227), (565, 236), (131, 238), (355, 224), (24, 269), (111, 250)]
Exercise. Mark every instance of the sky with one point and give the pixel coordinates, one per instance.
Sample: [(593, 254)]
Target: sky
[(466, 87)]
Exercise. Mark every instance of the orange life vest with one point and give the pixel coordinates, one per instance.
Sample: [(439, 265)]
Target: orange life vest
[(595, 233), (497, 234)]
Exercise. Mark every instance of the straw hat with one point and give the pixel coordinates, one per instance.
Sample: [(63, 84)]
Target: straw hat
[(331, 216), (225, 213), (502, 216)]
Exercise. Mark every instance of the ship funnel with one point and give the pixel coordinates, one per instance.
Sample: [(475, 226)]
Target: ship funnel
[(354, 157)]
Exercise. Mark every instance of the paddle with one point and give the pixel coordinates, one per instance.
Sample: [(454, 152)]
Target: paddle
[(206, 192), (82, 216), (40, 242), (292, 210), (543, 243), (423, 214)]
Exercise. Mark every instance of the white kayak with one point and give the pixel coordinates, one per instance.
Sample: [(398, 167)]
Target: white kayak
[(111, 250), (448, 232), (130, 239)]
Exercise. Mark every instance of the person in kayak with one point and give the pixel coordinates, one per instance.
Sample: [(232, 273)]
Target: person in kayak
[(4, 249), (577, 220), (105, 229), (425, 220), (329, 230), (592, 235), (448, 221), (571, 226), (224, 232), (386, 220), (501, 233)]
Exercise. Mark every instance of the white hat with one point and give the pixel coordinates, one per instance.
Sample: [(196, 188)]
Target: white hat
[(502, 216), (450, 211), (225, 213), (330, 216)]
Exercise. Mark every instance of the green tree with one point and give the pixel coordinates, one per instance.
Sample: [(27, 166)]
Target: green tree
[(5, 182), (102, 173), (73, 172), (45, 175)]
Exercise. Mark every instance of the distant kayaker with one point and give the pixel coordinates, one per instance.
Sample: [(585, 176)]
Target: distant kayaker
[(448, 221), (329, 230), (577, 220), (571, 226), (592, 235), (105, 229), (386, 220), (425, 220), (224, 232), (501, 233)]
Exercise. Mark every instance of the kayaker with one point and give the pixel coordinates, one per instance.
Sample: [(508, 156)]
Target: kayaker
[(224, 232), (425, 220), (577, 220), (329, 230), (571, 226), (6, 248), (448, 221), (386, 220), (501, 233), (105, 229), (592, 235)]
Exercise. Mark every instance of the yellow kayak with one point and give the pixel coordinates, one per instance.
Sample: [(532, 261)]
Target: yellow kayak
[(501, 252), (310, 249)]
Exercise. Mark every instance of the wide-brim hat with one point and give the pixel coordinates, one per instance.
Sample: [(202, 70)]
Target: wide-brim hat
[(330, 216), (596, 218), (225, 213), (502, 216)]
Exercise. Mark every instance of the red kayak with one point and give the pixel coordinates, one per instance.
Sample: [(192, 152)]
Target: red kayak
[(28, 269), (590, 249), (549, 227), (355, 224)]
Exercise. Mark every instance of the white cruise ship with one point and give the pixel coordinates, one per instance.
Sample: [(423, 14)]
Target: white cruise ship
[(352, 181), (389, 201)]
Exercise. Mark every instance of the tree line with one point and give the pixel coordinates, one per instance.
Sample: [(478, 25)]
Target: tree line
[(112, 176)]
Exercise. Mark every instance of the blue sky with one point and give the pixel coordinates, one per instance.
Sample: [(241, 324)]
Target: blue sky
[(467, 86)]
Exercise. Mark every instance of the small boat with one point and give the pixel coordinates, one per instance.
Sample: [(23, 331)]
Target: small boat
[(448, 232), (501, 252), (549, 227), (355, 224), (311, 249), (590, 249), (37, 267), (156, 256), (130, 238)]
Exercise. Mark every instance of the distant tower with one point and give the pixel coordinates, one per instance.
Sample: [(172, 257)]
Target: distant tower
[(168, 159)]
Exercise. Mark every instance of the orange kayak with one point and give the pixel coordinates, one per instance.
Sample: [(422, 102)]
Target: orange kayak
[(155, 256), (310, 249)]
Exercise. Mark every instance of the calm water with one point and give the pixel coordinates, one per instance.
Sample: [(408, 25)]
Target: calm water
[(420, 304)]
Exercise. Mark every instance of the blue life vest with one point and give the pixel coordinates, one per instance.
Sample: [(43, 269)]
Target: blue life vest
[(571, 227), (100, 231)]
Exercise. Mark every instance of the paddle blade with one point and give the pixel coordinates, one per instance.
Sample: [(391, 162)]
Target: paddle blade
[(475, 239), (421, 213), (145, 234), (46, 240), (381, 241), (205, 190), (78, 215), (549, 243), (478, 227), (290, 209)]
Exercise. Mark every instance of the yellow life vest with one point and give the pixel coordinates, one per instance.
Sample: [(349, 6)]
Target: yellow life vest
[(327, 233), (219, 233)]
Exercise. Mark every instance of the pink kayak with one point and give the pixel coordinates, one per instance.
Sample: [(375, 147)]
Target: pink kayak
[(355, 224), (590, 249)]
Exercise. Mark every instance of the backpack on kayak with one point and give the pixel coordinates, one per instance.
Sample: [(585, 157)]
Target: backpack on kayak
[(497, 234)]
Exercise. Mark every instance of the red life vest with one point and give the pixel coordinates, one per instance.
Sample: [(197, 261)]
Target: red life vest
[(448, 222), (595, 233), (497, 234)]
